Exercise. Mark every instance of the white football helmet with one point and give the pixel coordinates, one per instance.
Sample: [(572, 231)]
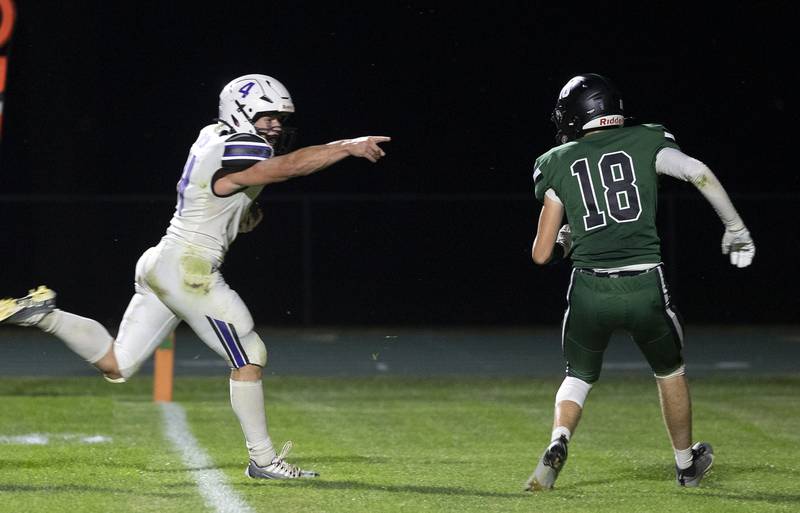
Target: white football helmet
[(245, 97)]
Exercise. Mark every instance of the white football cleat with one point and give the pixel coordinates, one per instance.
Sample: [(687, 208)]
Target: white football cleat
[(28, 310), (702, 460), (550, 464), (278, 468)]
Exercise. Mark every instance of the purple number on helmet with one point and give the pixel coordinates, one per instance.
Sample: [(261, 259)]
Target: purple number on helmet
[(245, 89)]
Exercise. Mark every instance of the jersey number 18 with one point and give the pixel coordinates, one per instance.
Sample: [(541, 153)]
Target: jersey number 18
[(619, 182)]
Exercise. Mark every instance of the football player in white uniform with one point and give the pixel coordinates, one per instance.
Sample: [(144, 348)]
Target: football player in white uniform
[(180, 280)]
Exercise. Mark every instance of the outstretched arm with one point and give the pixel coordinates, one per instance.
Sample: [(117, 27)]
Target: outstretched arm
[(301, 162), (736, 241)]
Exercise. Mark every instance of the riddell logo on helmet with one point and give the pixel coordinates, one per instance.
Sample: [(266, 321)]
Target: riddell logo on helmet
[(612, 121)]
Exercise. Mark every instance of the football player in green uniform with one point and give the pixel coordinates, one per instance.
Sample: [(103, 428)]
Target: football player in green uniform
[(604, 177)]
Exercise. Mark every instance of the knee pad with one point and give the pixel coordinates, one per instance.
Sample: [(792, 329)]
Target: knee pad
[(573, 389), (254, 349), (680, 371)]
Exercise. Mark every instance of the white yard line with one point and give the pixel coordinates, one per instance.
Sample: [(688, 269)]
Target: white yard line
[(212, 483), (46, 438)]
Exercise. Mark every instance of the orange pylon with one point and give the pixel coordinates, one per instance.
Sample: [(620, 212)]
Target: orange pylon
[(163, 371)]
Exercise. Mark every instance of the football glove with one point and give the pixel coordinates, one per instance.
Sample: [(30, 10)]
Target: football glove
[(564, 238), (740, 246)]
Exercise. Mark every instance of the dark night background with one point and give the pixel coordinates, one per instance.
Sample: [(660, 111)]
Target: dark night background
[(104, 99)]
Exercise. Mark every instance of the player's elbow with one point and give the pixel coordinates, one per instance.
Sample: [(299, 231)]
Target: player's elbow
[(698, 174), (540, 256)]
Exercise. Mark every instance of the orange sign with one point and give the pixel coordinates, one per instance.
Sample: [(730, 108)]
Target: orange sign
[(2, 77), (7, 15)]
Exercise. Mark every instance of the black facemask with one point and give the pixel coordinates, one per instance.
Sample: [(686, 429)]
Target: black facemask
[(282, 142)]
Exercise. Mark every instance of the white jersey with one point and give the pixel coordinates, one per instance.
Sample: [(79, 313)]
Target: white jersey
[(179, 278), (203, 219)]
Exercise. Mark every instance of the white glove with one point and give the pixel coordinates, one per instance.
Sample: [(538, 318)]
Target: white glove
[(740, 246), (565, 238)]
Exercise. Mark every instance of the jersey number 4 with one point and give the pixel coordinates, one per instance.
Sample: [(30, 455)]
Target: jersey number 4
[(619, 182)]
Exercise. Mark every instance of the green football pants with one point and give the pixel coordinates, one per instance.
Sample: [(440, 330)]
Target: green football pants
[(640, 305)]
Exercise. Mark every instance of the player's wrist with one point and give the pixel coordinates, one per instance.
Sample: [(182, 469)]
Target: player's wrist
[(735, 225)]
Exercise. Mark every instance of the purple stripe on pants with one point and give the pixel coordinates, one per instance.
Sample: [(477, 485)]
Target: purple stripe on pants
[(228, 340)]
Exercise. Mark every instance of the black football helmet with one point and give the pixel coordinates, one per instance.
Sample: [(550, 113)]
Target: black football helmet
[(586, 101)]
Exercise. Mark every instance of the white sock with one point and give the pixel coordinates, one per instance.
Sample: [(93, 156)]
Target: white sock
[(557, 432), (247, 400), (86, 337), (683, 457)]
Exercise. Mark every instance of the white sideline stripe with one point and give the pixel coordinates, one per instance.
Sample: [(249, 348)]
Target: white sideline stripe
[(32, 439), (45, 438), (731, 365), (211, 482)]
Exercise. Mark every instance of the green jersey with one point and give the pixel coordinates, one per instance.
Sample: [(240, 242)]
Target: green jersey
[(608, 184)]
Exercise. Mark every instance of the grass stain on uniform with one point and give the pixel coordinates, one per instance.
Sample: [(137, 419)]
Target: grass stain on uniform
[(197, 273), (701, 181), (155, 286)]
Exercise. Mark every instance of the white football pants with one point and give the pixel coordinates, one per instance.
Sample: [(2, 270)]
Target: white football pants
[(177, 283)]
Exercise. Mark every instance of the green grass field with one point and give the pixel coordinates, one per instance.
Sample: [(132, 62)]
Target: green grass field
[(397, 445)]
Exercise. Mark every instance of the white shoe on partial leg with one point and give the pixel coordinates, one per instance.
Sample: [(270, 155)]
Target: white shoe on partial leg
[(278, 468), (550, 464), (702, 460), (28, 310)]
